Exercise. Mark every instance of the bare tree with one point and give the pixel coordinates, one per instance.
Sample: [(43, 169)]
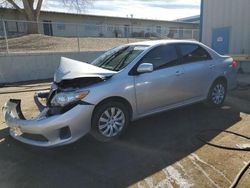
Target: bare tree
[(31, 9), (78, 5)]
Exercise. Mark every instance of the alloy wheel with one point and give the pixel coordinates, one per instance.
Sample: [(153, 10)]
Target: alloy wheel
[(111, 122), (218, 94)]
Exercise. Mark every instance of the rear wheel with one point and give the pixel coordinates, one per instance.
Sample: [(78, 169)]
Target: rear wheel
[(109, 121), (217, 94)]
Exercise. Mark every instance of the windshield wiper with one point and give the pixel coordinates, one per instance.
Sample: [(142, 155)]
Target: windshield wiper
[(121, 63), (113, 56)]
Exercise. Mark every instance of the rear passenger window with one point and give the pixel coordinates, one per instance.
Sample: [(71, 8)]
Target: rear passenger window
[(192, 53), (162, 57)]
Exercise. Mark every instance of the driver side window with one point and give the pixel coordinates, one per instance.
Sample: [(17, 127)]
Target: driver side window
[(162, 57)]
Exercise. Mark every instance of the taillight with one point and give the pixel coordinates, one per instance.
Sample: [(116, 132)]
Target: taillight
[(234, 64)]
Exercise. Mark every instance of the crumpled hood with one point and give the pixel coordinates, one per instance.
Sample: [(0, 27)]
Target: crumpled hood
[(71, 69)]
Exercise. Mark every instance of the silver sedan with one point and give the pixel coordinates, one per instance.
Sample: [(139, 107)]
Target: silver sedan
[(124, 84)]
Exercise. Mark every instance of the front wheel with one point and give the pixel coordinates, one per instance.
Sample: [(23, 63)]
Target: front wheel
[(217, 94), (109, 121)]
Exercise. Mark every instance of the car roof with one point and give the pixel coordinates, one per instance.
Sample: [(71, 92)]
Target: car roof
[(165, 41)]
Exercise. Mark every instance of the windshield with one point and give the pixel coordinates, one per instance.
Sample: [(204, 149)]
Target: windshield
[(118, 58)]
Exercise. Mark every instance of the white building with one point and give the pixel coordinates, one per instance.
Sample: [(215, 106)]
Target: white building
[(71, 25), (191, 19), (225, 25)]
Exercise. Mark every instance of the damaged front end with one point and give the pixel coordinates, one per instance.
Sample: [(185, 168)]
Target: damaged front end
[(66, 115), (54, 126)]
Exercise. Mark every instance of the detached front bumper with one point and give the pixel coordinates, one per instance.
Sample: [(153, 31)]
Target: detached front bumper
[(48, 131)]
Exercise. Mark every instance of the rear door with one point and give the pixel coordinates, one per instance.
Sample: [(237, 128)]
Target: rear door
[(199, 69), (163, 86)]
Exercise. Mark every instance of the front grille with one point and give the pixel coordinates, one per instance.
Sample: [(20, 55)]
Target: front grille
[(36, 137)]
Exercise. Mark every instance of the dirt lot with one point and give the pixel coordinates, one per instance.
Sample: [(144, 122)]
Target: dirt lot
[(158, 151), (43, 43)]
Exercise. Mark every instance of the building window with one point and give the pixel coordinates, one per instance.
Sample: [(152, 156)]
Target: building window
[(91, 27), (99, 27), (158, 29), (61, 26), (110, 28)]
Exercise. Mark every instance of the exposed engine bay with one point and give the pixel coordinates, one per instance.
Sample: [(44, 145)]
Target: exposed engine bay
[(71, 75)]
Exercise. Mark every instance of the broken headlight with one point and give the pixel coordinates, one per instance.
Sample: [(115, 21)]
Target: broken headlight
[(65, 98)]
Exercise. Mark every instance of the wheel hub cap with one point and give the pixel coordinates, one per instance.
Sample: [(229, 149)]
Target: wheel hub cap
[(111, 122), (218, 94)]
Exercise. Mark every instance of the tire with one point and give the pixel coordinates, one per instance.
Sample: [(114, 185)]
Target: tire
[(217, 94), (109, 121)]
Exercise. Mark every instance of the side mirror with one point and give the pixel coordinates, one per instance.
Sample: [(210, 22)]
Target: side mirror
[(145, 67)]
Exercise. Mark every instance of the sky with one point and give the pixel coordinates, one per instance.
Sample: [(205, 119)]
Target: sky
[(148, 9)]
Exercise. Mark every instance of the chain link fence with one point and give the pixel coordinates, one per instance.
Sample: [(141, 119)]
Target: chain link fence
[(15, 36)]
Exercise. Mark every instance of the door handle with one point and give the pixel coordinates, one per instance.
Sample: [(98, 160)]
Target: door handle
[(178, 73), (211, 66)]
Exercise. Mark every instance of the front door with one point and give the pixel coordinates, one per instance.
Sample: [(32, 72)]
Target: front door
[(47, 27), (221, 39), (126, 30), (163, 86)]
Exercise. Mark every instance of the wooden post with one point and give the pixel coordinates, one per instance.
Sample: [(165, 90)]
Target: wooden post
[(5, 36)]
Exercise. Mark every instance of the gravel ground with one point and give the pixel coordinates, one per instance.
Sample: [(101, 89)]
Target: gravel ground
[(42, 43), (158, 151)]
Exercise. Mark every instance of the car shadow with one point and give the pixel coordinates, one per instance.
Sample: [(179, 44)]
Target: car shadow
[(149, 145)]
